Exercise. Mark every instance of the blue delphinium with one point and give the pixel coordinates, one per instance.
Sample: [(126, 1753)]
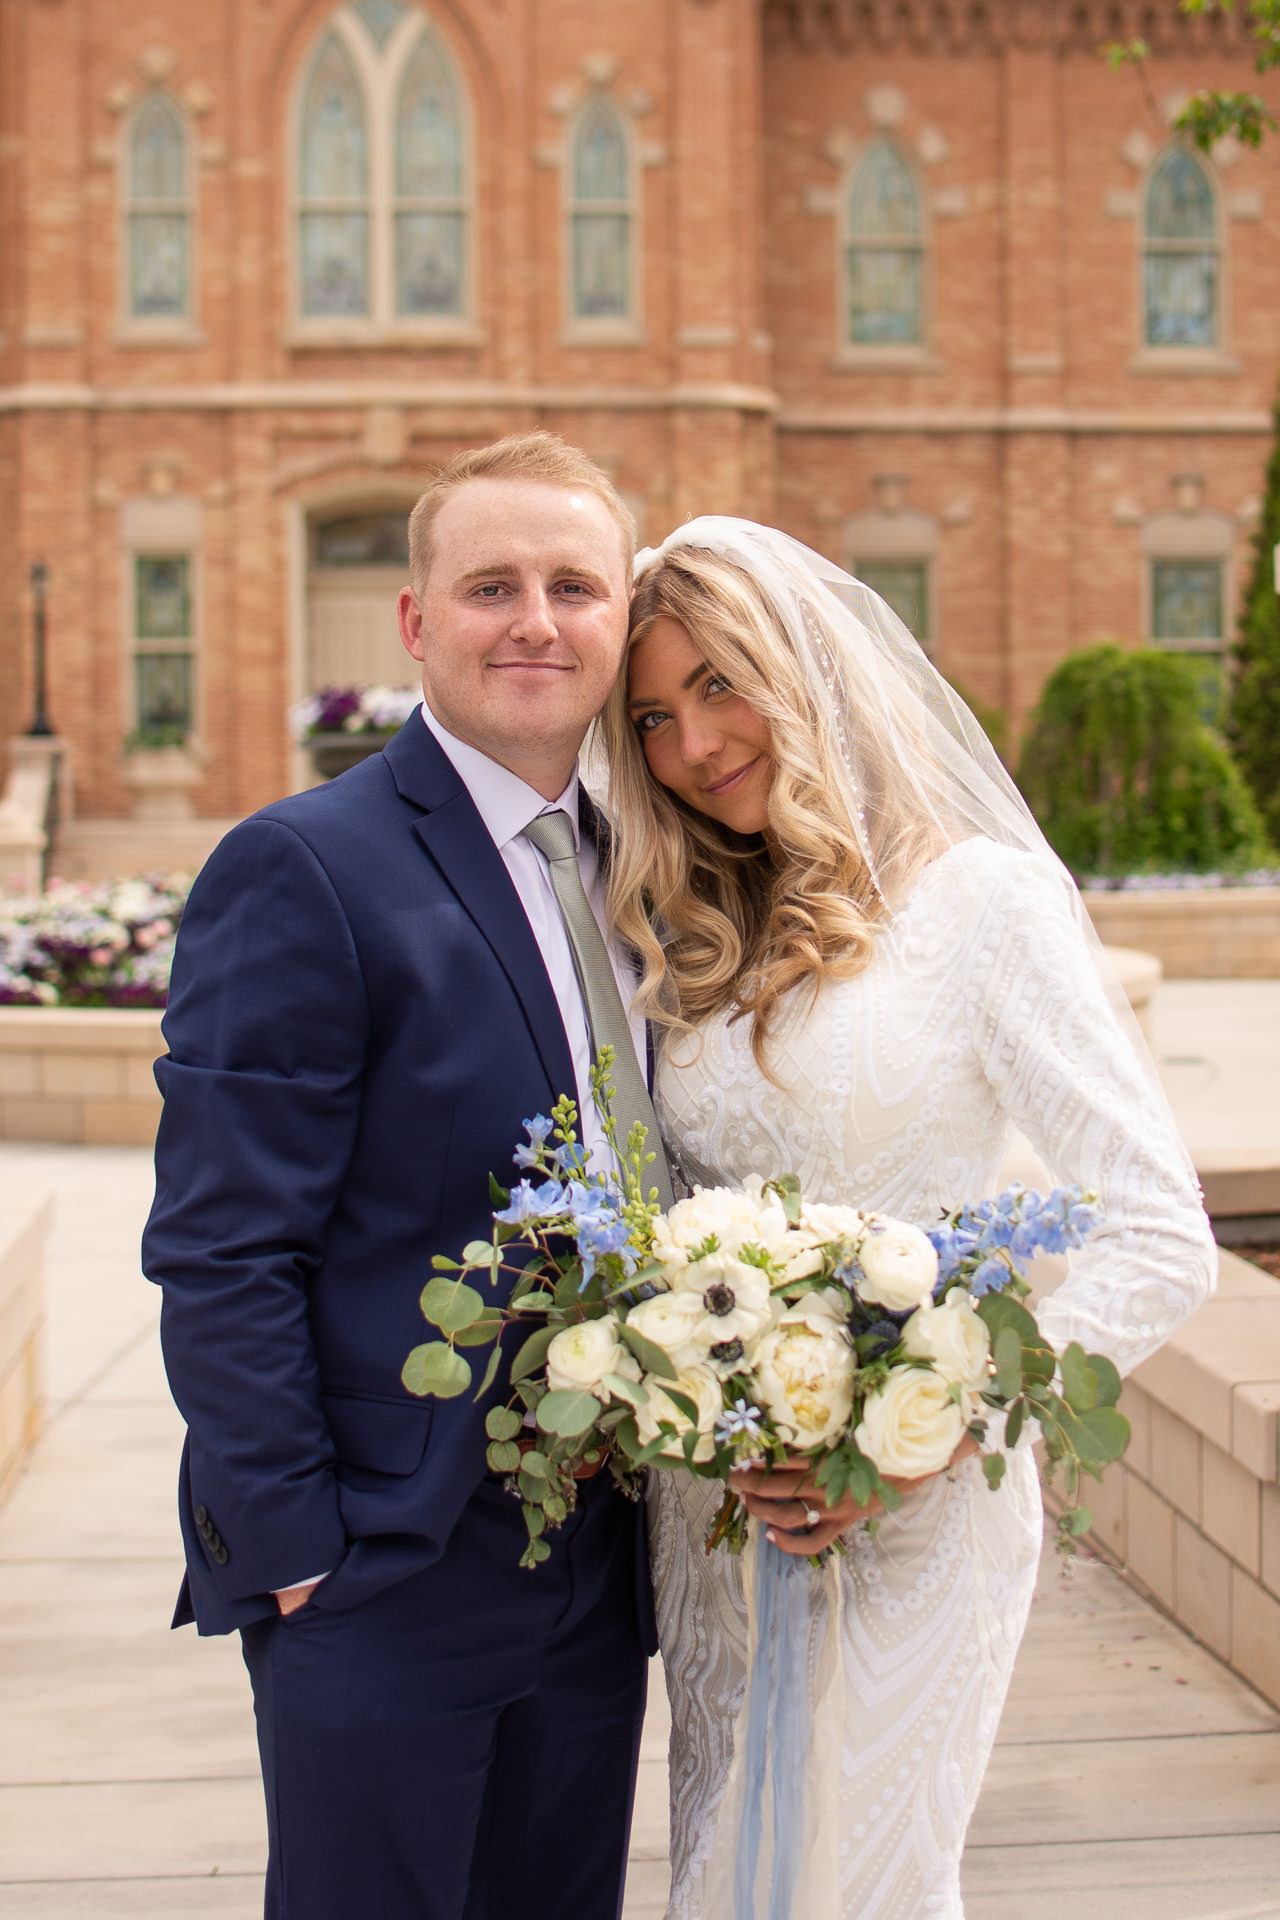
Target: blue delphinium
[(539, 1132), (545, 1202), (985, 1244)]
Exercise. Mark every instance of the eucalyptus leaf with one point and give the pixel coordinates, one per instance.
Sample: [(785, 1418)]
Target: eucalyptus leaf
[(650, 1355), (479, 1333), (556, 1508), (632, 1391), (567, 1414), (502, 1423), (1007, 1354), (999, 1310), (479, 1253), (993, 1467), (436, 1369), (536, 1302), (451, 1305), (1013, 1425), (681, 1401), (490, 1373), (499, 1196), (532, 1353), (1107, 1436), (534, 1520), (1077, 1521), (1079, 1381), (503, 1456), (1108, 1378), (536, 1464)]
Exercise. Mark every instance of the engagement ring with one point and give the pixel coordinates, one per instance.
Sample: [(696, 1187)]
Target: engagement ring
[(812, 1519)]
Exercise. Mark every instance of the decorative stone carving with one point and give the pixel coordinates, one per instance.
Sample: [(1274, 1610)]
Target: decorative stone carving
[(979, 27), (1245, 204), (199, 98), (1120, 203), (821, 200), (838, 145), (653, 153), (1188, 492), (951, 203), (1138, 150), (120, 98), (886, 106), (598, 69), (157, 63), (933, 146), (562, 101)]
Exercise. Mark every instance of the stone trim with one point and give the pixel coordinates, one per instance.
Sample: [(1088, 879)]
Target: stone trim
[(1013, 420), (1217, 933), (350, 396), (943, 27)]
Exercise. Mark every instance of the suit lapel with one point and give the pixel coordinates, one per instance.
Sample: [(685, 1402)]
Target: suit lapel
[(457, 840)]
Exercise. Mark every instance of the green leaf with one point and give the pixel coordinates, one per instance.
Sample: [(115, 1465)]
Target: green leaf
[(502, 1423), (567, 1414), (503, 1456), (451, 1305), (532, 1353), (632, 1391), (1106, 1436), (1013, 1425), (1108, 1378), (1079, 1381), (479, 1253), (442, 1263), (1007, 1354), (536, 1302), (479, 1333), (1000, 1310), (627, 1436), (1077, 1521), (499, 1196), (648, 1353), (536, 1464), (556, 1508), (490, 1373), (993, 1467), (534, 1520), (681, 1401), (436, 1369)]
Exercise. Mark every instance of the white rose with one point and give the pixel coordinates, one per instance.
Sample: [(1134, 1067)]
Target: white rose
[(833, 1223), (736, 1300), (580, 1356), (698, 1384), (737, 1219), (899, 1263), (804, 1374), (674, 1322), (955, 1338), (913, 1427)]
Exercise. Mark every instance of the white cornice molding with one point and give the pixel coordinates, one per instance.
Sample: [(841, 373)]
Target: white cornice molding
[(1048, 420), (50, 396)]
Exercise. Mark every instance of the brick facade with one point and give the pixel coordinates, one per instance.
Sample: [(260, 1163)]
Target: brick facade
[(1029, 432)]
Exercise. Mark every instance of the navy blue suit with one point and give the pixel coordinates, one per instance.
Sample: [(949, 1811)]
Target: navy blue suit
[(359, 1023)]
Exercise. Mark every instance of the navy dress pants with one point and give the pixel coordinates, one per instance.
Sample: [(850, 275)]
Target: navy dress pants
[(463, 1745)]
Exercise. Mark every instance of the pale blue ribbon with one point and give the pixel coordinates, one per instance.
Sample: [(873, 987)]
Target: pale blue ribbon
[(778, 1730)]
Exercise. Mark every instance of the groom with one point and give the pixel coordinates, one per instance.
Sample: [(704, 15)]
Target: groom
[(376, 983)]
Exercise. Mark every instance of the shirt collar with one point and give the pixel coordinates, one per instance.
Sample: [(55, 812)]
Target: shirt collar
[(504, 801)]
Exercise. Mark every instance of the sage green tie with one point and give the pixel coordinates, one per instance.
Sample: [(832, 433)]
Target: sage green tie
[(552, 835)]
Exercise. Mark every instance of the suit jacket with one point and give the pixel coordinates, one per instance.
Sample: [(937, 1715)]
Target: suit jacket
[(359, 1024)]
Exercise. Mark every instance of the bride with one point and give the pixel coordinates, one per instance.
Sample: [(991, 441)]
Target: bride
[(867, 968)]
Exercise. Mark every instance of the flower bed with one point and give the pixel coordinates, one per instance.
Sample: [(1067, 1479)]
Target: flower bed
[(80, 945)]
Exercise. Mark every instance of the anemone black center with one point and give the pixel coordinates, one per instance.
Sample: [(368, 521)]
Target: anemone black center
[(727, 1351), (719, 1299)]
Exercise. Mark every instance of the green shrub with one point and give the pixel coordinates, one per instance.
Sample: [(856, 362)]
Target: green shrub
[(1253, 718), (1124, 776)]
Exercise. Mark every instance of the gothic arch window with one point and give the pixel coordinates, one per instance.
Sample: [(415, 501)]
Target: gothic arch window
[(1181, 254), (884, 250), (601, 217), (158, 213), (382, 172)]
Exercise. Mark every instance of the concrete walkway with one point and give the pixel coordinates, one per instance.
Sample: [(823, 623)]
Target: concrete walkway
[(1134, 1777)]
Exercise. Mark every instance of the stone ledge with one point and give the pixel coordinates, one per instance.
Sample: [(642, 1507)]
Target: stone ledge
[(79, 1074), (26, 1216), (1220, 1373), (1200, 933)]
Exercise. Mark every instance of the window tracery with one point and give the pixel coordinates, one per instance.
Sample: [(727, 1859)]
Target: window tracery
[(158, 217), (884, 249)]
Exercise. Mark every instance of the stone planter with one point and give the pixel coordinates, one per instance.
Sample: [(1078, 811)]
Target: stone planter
[(79, 1074), (1204, 933), (160, 780), (333, 753)]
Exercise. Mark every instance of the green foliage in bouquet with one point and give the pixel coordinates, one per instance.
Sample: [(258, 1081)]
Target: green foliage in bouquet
[(1124, 777), (1253, 718)]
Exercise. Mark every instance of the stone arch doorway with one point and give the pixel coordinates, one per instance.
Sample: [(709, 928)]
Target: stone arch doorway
[(357, 562)]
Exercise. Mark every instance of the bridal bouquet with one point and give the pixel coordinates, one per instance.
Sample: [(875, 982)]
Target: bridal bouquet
[(750, 1326)]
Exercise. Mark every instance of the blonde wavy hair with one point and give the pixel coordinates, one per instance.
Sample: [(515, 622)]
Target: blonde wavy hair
[(743, 921)]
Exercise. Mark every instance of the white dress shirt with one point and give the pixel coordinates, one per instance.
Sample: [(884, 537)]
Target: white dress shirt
[(506, 805)]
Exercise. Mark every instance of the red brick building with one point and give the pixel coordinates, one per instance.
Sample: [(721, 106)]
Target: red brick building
[(919, 280)]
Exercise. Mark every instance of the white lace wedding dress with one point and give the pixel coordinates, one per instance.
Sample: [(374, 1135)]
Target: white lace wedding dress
[(979, 1011)]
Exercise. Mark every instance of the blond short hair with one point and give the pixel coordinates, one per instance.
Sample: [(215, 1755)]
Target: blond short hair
[(540, 456)]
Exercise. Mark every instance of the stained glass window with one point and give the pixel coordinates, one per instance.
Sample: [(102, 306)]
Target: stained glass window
[(162, 604), (1180, 263), (381, 17), (159, 217), (429, 216), (334, 181), (600, 216), (884, 251), (1187, 616), (363, 540), (904, 584), (163, 687)]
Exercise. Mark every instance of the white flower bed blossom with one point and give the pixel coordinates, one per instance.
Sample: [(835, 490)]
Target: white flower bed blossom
[(357, 710), (91, 944)]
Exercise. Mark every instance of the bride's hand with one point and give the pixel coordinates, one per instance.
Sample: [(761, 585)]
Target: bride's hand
[(784, 1497)]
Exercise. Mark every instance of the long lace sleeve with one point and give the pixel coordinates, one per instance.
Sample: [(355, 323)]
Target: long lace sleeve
[(1062, 1068)]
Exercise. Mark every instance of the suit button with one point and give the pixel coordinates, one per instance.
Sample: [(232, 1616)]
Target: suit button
[(202, 1516), (220, 1555)]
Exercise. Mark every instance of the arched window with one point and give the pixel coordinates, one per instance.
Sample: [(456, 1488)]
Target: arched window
[(601, 217), (334, 178), (1180, 268), (884, 251), (382, 176), (159, 213), (430, 212)]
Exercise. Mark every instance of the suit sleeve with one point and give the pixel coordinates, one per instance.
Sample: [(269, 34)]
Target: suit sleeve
[(267, 1029)]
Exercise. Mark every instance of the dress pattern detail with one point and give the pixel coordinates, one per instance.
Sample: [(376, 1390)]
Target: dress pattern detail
[(980, 1011)]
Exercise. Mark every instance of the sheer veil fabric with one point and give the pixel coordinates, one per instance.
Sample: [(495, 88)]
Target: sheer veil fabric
[(987, 1004)]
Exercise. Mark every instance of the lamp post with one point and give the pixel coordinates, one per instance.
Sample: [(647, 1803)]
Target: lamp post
[(40, 728)]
